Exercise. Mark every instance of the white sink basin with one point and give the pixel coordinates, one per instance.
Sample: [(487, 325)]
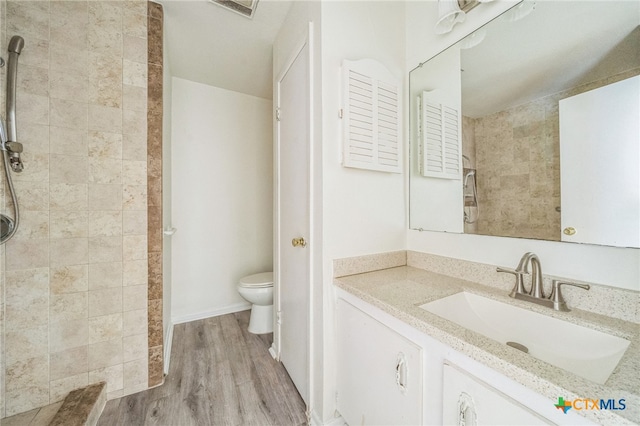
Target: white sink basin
[(588, 353)]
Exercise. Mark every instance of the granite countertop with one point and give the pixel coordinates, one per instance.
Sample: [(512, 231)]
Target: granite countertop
[(400, 291)]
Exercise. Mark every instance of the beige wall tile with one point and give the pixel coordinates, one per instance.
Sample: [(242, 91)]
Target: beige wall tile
[(69, 196), (134, 25), (134, 222), (105, 249), (26, 254), (105, 197), (60, 388), (105, 145), (66, 141), (135, 7), (68, 306), (69, 114), (135, 272), (33, 225), (134, 73), (32, 109), (69, 224), (134, 297), (26, 298), (31, 372), (33, 195), (134, 146), (104, 118), (135, 323), (28, 18), (37, 54), (105, 223), (105, 301), (65, 335), (35, 137), (105, 275), (134, 172), (105, 79), (21, 400), (69, 84), (21, 419), (74, 61), (135, 347), (134, 98), (134, 247), (135, 49), (134, 197), (69, 22), (68, 169), (37, 167), (32, 80), (105, 170), (69, 279), (68, 363), (112, 375), (135, 373), (106, 327), (27, 343), (69, 251), (105, 354)]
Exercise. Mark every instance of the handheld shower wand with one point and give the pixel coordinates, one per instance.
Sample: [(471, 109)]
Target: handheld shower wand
[(9, 145)]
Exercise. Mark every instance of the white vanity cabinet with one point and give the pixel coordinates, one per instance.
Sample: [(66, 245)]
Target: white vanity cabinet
[(380, 372), (468, 401)]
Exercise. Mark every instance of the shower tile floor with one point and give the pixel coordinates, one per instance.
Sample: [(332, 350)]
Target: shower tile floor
[(219, 374)]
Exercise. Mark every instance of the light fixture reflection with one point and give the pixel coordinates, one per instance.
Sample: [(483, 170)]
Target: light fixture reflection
[(449, 13)]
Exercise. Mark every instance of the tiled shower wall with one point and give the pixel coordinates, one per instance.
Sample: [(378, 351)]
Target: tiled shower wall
[(518, 166), (76, 273)]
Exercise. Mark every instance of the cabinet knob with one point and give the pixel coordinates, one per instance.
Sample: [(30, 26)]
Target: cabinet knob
[(569, 230)]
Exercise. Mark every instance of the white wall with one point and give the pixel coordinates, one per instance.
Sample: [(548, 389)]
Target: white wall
[(221, 196), (363, 211), (605, 265)]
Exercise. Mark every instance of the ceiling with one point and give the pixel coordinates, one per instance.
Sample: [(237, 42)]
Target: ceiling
[(560, 44), (209, 44)]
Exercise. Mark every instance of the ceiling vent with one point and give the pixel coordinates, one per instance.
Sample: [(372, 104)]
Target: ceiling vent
[(243, 7)]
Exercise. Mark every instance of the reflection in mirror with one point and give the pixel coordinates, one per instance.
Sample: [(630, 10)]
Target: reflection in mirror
[(495, 107)]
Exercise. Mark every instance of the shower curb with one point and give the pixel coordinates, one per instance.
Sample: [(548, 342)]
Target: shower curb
[(82, 407)]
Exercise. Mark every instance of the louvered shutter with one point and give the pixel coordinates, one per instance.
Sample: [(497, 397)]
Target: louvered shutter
[(371, 117), (440, 142)]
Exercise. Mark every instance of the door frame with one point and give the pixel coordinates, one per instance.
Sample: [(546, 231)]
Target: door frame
[(274, 350)]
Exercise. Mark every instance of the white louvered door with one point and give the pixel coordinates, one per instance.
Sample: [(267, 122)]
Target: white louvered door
[(371, 116), (440, 141)]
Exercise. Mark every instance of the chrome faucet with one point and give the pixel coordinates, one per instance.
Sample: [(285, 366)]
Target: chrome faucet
[(536, 292)]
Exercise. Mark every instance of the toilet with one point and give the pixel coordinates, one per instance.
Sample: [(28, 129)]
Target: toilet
[(258, 290)]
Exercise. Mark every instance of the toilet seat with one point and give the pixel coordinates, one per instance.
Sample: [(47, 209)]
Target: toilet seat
[(261, 280)]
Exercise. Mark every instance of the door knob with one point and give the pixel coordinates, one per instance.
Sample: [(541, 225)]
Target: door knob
[(298, 242)]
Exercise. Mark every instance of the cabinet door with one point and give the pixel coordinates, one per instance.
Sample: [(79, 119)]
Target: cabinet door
[(469, 401), (379, 371)]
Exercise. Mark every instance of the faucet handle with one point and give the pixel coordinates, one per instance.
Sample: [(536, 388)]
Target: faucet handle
[(556, 297), (519, 286)]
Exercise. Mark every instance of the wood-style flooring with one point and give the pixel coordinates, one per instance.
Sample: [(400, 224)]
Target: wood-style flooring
[(220, 374)]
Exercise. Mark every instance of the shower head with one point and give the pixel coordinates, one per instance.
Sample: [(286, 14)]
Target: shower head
[(16, 44)]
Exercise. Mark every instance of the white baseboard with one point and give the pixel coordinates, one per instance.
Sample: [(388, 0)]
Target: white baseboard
[(336, 421), (212, 313), (273, 353), (168, 340)]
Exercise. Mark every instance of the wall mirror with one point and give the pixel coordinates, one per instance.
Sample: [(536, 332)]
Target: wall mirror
[(530, 127)]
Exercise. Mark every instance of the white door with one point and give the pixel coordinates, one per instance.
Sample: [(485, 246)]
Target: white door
[(600, 165), (293, 135)]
